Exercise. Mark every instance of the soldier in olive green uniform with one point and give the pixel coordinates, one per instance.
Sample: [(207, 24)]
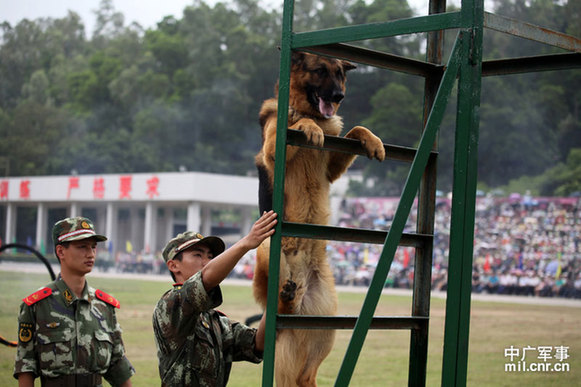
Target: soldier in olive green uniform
[(196, 344), (68, 332)]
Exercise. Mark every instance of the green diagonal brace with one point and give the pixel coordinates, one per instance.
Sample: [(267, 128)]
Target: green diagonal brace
[(409, 192)]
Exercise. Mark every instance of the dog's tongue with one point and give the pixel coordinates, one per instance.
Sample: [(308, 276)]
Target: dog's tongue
[(326, 108)]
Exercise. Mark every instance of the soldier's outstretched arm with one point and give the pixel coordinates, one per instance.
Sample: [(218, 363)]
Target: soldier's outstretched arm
[(219, 267)]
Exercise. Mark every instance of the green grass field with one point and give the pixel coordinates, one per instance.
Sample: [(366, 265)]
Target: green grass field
[(384, 358)]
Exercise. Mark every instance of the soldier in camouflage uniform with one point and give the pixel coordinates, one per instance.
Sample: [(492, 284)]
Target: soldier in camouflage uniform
[(196, 344), (68, 334)]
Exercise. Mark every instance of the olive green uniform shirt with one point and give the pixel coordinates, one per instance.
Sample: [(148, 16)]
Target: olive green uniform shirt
[(64, 335), (196, 344)]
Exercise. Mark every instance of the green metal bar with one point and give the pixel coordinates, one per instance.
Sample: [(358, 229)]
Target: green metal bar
[(457, 324), (377, 59), (347, 234), (531, 64), (352, 146), (378, 30), (531, 32), (418, 352), (278, 194), (401, 215), (293, 321)]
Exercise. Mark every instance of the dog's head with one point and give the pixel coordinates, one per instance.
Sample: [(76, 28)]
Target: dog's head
[(317, 84)]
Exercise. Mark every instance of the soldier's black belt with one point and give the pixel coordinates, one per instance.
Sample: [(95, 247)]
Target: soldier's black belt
[(77, 380)]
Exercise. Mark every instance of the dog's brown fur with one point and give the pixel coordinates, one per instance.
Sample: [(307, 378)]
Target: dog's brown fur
[(317, 87)]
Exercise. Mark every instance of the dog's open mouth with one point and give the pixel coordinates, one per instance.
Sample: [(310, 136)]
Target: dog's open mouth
[(326, 108)]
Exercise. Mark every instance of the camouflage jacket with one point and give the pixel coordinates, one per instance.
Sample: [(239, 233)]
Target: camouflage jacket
[(61, 334), (196, 344)]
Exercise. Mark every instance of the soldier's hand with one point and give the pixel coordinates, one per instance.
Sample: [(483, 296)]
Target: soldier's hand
[(261, 229)]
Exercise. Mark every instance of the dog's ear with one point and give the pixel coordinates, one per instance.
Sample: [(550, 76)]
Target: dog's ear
[(297, 58), (348, 65)]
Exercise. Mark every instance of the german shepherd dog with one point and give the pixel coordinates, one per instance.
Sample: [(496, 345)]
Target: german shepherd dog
[(317, 87)]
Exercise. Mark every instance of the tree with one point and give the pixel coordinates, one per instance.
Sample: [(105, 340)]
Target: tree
[(22, 53), (109, 22), (167, 46), (37, 89), (30, 137), (570, 177)]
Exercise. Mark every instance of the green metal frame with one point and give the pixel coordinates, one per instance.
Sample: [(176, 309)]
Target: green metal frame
[(464, 69)]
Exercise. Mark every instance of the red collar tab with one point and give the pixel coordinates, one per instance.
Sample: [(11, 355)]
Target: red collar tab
[(37, 296), (101, 295), (177, 284)]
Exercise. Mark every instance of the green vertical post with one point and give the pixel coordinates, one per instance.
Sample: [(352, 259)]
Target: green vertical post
[(456, 334), (278, 194), (418, 357)]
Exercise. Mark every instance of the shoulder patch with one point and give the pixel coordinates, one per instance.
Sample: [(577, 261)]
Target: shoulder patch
[(101, 295), (25, 332), (37, 296)]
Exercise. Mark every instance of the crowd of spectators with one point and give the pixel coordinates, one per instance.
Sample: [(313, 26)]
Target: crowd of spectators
[(522, 245)]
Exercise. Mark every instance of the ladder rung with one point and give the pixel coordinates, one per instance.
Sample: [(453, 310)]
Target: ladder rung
[(377, 59), (346, 234), (348, 322), (531, 63), (349, 145)]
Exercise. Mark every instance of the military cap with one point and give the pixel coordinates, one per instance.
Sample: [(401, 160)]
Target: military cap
[(74, 229), (188, 239)]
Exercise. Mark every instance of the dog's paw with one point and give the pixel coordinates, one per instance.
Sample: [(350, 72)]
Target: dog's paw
[(315, 135), (312, 131), (288, 291), (374, 148), (370, 142)]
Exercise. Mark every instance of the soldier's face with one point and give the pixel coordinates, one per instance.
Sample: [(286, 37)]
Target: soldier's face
[(193, 260), (79, 257)]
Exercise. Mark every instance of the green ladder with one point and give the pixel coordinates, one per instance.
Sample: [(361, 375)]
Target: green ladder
[(464, 68)]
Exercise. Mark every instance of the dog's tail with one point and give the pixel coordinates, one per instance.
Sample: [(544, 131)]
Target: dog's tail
[(264, 190), (252, 319)]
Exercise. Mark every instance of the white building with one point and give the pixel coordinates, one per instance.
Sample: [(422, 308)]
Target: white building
[(141, 210)]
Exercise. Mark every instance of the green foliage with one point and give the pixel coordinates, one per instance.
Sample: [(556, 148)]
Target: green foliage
[(41, 126), (187, 93), (528, 122), (396, 116), (534, 184), (83, 89), (167, 46), (563, 179), (570, 177)]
